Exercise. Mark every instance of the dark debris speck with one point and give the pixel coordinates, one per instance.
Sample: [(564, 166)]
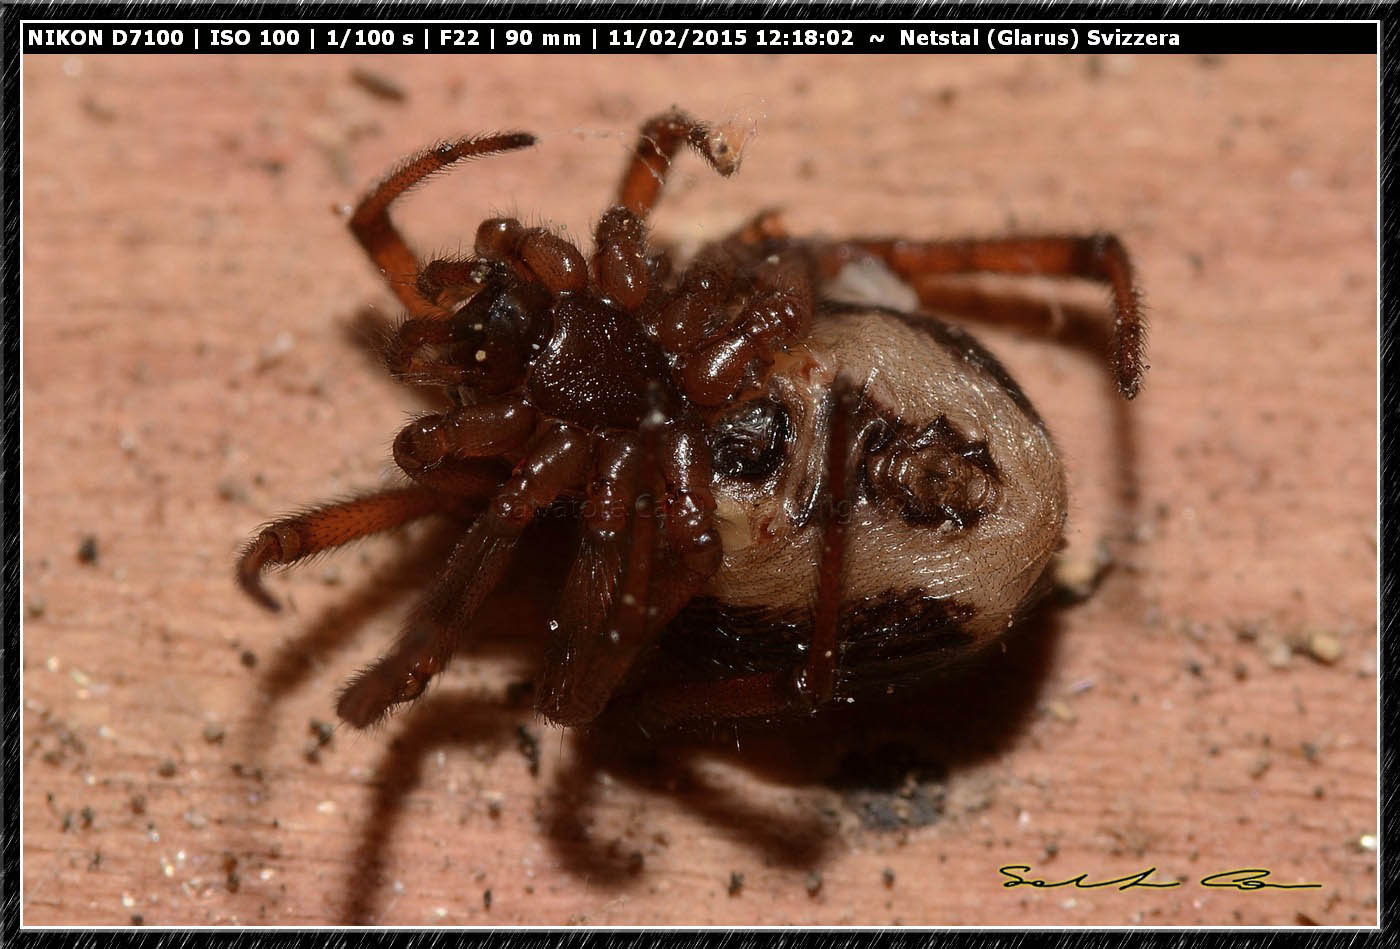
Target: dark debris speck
[(323, 731), (377, 85), (87, 550), (529, 744)]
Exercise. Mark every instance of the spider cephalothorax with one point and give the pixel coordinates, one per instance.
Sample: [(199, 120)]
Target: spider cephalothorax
[(821, 498)]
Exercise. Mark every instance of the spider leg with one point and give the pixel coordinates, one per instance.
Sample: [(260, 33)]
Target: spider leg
[(620, 264), (618, 597), (816, 680), (813, 682), (777, 313), (661, 137), (371, 225), (556, 463), (534, 253), (296, 536), (1100, 257), (485, 430), (582, 657)]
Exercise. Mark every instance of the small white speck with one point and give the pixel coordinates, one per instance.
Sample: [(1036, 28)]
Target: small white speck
[(850, 700), (265, 875), (281, 344), (477, 327), (51, 663), (481, 355), (553, 625), (1367, 843), (614, 636), (440, 912), (1023, 818), (827, 654), (326, 807), (629, 600), (128, 901)]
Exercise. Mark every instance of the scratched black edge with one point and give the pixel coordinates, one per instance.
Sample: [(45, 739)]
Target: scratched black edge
[(1388, 647), (10, 699)]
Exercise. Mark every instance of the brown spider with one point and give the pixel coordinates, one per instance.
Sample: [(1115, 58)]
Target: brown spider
[(777, 500)]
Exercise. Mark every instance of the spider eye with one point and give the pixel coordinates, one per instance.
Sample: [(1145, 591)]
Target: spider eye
[(749, 441)]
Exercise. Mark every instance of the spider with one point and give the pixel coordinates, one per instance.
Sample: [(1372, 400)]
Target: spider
[(775, 500)]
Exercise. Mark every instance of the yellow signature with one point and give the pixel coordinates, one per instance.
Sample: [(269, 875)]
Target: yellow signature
[(1248, 878)]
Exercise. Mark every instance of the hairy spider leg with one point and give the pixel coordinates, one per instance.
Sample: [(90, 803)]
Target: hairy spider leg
[(774, 314), (536, 265), (484, 430), (296, 536), (816, 679), (534, 253), (661, 137), (556, 463), (813, 682), (587, 653), (1100, 257), (620, 593), (621, 268), (370, 221)]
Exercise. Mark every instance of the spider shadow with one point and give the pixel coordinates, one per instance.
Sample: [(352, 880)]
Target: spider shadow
[(850, 755), (439, 721), (863, 755)]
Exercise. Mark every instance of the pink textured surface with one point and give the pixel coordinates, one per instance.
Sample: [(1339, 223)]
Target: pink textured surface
[(187, 374)]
